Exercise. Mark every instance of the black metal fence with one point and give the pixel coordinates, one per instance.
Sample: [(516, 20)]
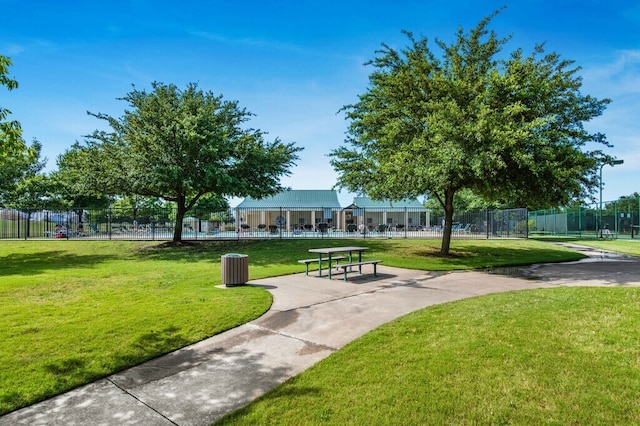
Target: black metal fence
[(242, 223)]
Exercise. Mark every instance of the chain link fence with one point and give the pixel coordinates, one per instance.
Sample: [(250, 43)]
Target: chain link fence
[(614, 219)]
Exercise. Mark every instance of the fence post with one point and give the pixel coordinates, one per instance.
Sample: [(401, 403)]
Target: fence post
[(236, 224), (579, 222), (406, 222), (18, 221), (488, 222), (28, 233), (365, 226), (638, 200), (616, 219)]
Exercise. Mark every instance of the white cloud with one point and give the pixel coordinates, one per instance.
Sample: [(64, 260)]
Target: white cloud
[(11, 49), (248, 42), (619, 77)]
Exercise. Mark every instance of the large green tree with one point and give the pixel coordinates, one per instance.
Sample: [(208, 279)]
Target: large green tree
[(17, 159), (180, 145), (209, 205), (509, 128), (31, 193), (68, 188), (463, 201)]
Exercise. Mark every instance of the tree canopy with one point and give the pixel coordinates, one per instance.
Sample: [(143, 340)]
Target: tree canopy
[(463, 201), (509, 128), (180, 145), (67, 183), (17, 159)]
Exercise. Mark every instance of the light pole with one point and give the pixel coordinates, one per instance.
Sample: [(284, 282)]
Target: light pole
[(612, 163)]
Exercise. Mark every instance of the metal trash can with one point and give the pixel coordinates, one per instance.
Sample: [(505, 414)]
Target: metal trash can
[(235, 269)]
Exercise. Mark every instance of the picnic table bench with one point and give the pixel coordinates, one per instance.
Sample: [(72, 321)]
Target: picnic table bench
[(346, 267), (329, 253), (318, 260)]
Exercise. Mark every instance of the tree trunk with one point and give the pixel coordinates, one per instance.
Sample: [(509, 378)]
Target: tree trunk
[(28, 224), (181, 211), (80, 213), (448, 222)]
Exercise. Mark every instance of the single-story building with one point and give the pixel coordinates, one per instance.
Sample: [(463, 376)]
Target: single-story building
[(307, 210), (409, 215), (290, 210)]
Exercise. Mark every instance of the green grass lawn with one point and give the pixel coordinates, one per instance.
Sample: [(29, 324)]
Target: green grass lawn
[(631, 247), (75, 311), (552, 356)]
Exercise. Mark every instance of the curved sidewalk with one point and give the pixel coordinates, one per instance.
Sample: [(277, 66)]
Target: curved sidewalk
[(310, 318)]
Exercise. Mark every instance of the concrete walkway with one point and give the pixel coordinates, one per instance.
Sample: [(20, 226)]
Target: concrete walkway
[(311, 318)]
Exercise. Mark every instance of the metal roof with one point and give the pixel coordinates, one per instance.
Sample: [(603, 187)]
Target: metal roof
[(368, 203), (295, 199)]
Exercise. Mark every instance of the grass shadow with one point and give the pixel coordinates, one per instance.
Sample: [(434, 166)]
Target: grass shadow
[(280, 393), (424, 254), (64, 366), (40, 262), (261, 252)]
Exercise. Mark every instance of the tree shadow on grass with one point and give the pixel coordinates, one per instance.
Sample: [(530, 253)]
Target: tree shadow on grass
[(481, 257), (261, 252), (279, 393), (60, 367), (37, 263)]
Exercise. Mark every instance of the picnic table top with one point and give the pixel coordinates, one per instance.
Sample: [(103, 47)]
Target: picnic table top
[(330, 250)]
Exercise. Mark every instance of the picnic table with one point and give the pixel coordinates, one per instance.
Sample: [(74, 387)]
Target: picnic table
[(330, 251)]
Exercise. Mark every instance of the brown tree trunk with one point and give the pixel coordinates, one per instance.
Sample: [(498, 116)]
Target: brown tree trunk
[(181, 211), (448, 222)]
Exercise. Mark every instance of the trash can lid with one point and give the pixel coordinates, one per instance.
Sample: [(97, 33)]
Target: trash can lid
[(235, 255)]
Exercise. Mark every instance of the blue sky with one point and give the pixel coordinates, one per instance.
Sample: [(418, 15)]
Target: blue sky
[(292, 63)]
